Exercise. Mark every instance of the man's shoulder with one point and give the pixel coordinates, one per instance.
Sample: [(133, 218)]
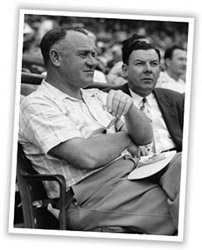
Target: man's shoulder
[(165, 81), (165, 91), (124, 88), (38, 97), (165, 78), (168, 93)]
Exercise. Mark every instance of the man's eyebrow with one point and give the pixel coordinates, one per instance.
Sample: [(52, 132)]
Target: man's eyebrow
[(144, 60), (86, 51), (139, 59)]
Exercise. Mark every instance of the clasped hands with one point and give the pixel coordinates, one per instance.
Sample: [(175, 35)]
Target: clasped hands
[(118, 104)]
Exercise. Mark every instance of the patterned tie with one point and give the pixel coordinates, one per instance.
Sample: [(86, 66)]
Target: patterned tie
[(144, 109), (149, 149)]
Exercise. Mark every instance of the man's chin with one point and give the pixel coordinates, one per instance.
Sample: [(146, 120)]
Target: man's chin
[(88, 82)]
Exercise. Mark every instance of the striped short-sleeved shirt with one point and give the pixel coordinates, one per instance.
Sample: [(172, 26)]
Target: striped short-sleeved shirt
[(49, 117)]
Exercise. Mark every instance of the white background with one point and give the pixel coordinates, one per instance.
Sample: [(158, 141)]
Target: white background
[(8, 53)]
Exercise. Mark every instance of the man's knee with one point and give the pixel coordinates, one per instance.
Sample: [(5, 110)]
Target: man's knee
[(170, 180)]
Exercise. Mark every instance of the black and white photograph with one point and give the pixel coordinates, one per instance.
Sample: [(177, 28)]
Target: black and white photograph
[(100, 137), (100, 124)]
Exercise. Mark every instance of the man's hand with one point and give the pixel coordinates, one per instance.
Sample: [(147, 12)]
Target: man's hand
[(118, 103), (134, 150), (137, 124)]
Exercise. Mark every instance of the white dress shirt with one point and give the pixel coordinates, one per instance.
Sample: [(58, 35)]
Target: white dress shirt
[(167, 82), (162, 138)]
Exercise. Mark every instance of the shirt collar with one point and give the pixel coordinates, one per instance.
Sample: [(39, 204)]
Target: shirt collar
[(180, 80), (55, 92), (138, 99)]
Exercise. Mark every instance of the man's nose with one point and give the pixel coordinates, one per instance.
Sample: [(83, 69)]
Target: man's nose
[(91, 61), (185, 61), (148, 67)]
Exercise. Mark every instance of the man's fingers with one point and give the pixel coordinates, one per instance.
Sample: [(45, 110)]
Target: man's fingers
[(118, 103), (128, 104), (123, 107), (110, 100)]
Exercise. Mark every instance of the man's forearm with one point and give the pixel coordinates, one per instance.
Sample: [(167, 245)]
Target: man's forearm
[(138, 126), (94, 152)]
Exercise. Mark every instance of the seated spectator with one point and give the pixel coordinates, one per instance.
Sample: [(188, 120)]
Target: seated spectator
[(173, 77), (91, 138), (142, 68), (163, 107), (116, 55), (115, 75)]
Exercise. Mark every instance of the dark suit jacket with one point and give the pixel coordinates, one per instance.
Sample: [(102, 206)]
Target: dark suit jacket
[(171, 104)]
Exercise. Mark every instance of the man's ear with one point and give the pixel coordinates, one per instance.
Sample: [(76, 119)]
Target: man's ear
[(167, 62), (54, 57), (125, 70)]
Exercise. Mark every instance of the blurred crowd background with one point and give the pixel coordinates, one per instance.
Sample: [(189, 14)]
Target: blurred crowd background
[(109, 33)]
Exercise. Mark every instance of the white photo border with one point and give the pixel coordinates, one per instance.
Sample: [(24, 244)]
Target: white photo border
[(190, 22)]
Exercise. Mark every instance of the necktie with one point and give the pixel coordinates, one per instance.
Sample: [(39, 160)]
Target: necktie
[(144, 109), (148, 149)]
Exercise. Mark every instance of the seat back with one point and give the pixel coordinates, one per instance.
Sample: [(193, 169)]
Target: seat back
[(32, 192), (31, 81)]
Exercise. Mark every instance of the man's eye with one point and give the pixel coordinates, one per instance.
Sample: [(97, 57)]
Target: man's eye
[(83, 55), (94, 55), (87, 54), (139, 63), (154, 64)]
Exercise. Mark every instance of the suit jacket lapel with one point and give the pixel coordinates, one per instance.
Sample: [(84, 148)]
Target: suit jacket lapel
[(125, 89), (165, 104)]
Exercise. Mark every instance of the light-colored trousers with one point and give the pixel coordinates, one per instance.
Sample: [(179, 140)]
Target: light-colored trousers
[(108, 199)]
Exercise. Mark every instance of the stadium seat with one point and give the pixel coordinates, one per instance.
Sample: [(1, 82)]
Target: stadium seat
[(38, 210), (34, 198)]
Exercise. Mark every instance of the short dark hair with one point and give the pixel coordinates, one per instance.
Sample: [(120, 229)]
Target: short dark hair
[(169, 51), (52, 37), (131, 45), (134, 37)]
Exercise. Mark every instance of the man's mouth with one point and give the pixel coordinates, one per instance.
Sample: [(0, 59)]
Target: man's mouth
[(147, 79), (89, 71)]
